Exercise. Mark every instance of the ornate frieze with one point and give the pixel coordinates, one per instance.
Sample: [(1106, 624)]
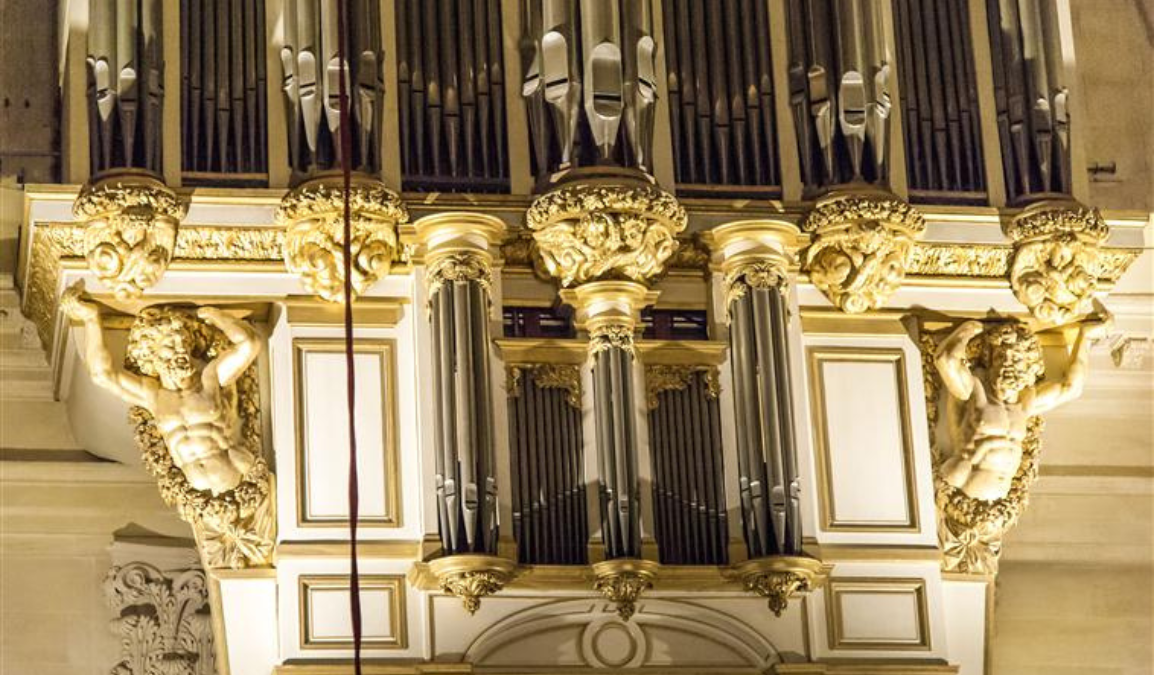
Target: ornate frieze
[(162, 621), (313, 218), (1053, 270), (130, 226), (862, 245), (985, 393), (585, 232), (194, 394)]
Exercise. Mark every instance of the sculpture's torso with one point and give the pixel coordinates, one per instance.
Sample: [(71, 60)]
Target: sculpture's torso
[(990, 433), (201, 428)]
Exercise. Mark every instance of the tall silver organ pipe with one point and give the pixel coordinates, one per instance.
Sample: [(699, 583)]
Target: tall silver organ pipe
[(590, 83), (840, 79), (125, 73), (312, 72), (766, 437), (466, 485), (223, 96), (620, 492), (1031, 98)]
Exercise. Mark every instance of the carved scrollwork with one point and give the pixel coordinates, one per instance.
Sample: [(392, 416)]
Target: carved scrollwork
[(861, 248), (1055, 263), (587, 232), (459, 266), (162, 621), (313, 218), (660, 378), (131, 221), (548, 376)]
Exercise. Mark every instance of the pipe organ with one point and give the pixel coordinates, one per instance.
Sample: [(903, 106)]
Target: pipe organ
[(724, 276)]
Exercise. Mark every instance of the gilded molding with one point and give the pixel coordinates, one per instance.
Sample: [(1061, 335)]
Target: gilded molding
[(959, 260), (758, 273), (1056, 249), (472, 577), (131, 221), (586, 232), (780, 578), (661, 378), (622, 581), (459, 266), (313, 217), (548, 376), (861, 247)]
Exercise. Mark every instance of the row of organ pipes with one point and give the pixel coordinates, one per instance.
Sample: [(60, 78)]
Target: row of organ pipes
[(590, 86)]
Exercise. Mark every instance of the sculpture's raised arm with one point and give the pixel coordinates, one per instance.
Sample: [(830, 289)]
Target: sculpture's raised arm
[(231, 364), (131, 388), (951, 363), (1051, 394)]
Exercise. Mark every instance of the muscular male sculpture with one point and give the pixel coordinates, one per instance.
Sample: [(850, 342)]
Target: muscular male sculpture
[(194, 403), (987, 408)]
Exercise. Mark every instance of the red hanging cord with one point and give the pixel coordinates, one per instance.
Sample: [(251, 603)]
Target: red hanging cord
[(346, 150)]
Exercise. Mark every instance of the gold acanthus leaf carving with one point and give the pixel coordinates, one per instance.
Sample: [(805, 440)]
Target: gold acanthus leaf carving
[(662, 378), (471, 587), (611, 336), (460, 266), (861, 247), (589, 232), (623, 589), (131, 223), (777, 588), (1056, 250), (313, 218), (549, 376), (754, 274)]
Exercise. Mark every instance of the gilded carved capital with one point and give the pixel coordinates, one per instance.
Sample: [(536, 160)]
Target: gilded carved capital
[(781, 578), (1055, 259), (472, 577), (459, 266), (862, 245), (622, 581), (130, 226), (757, 273), (586, 232), (610, 336), (313, 218), (661, 378)]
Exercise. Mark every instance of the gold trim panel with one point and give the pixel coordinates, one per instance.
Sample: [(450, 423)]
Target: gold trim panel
[(398, 619), (835, 626), (386, 349), (816, 357)]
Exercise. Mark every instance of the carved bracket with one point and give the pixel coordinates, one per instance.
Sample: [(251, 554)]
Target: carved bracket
[(623, 580), (781, 578), (472, 577)]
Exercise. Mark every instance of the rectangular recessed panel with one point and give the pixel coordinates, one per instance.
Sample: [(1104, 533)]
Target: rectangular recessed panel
[(326, 622), (322, 433), (885, 614), (862, 439)]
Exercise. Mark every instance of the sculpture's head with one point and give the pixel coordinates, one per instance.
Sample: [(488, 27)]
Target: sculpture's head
[(168, 343), (1013, 359)]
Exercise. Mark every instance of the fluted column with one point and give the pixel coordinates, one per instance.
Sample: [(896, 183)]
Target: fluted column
[(755, 260), (458, 261)]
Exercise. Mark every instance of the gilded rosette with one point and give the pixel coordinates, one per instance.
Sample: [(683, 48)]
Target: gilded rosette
[(587, 232), (471, 577), (781, 578), (313, 218), (622, 581), (130, 221), (861, 248), (1056, 249)]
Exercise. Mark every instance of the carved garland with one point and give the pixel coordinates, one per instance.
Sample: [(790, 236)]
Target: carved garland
[(232, 529), (970, 530)]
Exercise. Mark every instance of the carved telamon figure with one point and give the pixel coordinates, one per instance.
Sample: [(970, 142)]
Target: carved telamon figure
[(988, 408), (194, 403)]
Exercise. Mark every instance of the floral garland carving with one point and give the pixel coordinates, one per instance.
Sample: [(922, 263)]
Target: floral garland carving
[(970, 530), (236, 528), (662, 378), (595, 232)]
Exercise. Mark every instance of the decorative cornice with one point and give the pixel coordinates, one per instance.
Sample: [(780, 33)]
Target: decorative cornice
[(662, 378)]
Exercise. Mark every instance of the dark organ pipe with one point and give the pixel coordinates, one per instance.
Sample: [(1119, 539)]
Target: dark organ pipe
[(224, 105), (451, 95), (767, 455), (942, 137)]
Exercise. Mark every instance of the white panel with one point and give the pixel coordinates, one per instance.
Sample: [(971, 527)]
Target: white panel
[(328, 622), (326, 440), (866, 445), (249, 606), (879, 617), (966, 628)]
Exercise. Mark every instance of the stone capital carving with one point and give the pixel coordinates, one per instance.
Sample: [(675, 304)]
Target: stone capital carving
[(130, 227), (162, 620), (590, 231), (861, 248), (313, 217), (1055, 260)]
